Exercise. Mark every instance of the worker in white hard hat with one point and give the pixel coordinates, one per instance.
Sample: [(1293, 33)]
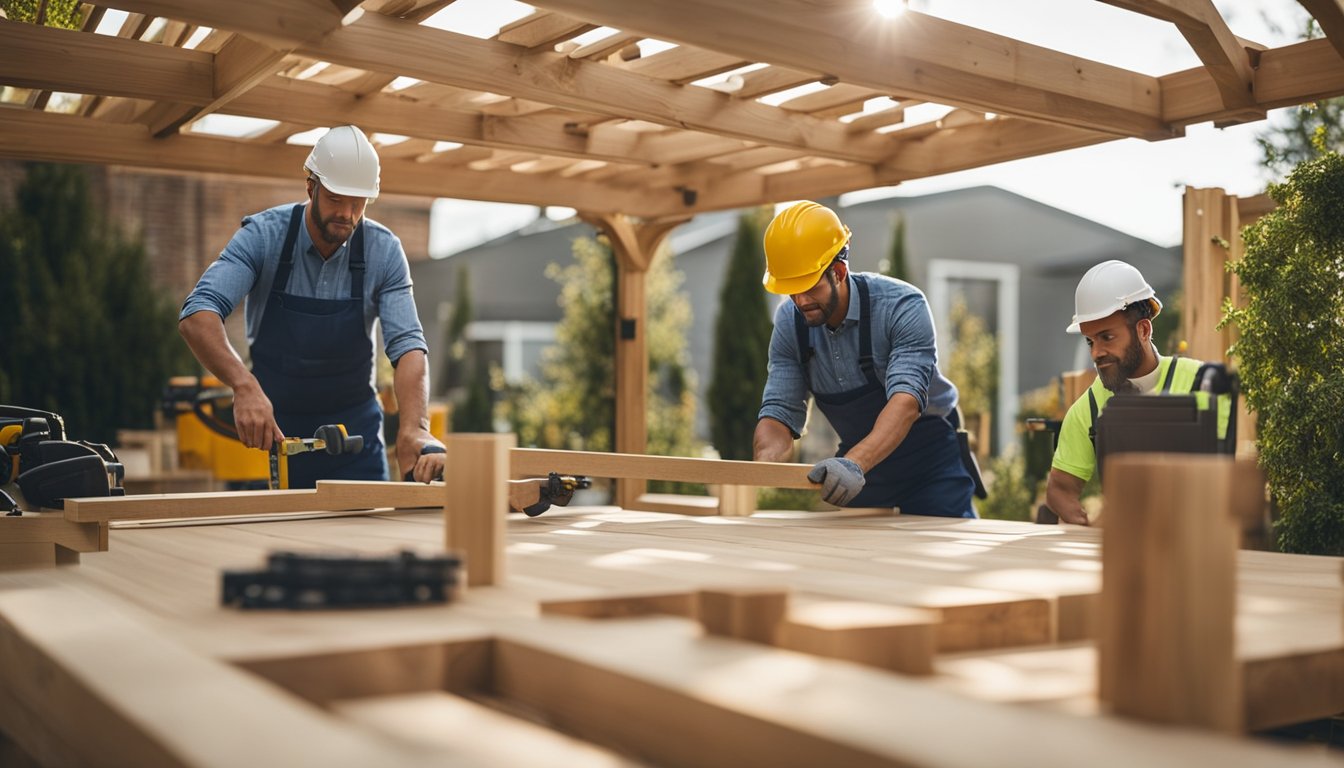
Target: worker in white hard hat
[(862, 345), (314, 276), (1114, 309)]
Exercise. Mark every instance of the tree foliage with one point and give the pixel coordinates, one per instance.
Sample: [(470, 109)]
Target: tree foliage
[(455, 330), (473, 401), (973, 364), (895, 263), (55, 13), (1291, 334), (741, 343), (86, 333), (573, 405)]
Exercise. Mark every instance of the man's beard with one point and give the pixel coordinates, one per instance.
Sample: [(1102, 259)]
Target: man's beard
[(1117, 377), (830, 307), (327, 226)]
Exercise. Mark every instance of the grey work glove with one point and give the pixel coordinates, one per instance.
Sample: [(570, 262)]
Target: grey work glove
[(840, 478)]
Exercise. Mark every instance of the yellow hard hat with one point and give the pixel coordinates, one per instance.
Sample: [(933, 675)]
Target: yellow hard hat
[(800, 243)]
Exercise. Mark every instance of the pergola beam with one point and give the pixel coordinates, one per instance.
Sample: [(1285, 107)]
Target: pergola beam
[(238, 66), (65, 138), (1329, 14), (379, 43), (1203, 27), (292, 21), (67, 60), (1286, 76), (912, 55)]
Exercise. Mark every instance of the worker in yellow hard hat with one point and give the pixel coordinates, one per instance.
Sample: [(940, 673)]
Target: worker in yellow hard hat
[(863, 346), (1114, 309), (314, 277)]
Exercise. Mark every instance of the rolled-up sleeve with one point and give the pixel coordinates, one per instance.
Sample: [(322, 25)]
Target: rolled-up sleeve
[(231, 276), (402, 331), (914, 353), (785, 395)]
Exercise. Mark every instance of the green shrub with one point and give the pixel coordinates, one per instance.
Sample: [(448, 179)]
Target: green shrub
[(1291, 340)]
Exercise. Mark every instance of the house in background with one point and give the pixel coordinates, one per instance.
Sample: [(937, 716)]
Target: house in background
[(1013, 260)]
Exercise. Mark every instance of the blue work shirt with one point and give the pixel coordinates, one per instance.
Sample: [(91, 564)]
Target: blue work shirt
[(903, 348), (246, 268)]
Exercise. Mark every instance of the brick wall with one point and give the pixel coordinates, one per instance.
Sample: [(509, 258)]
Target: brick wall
[(187, 219)]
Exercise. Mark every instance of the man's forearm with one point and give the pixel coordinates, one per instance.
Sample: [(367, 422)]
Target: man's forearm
[(892, 425), (772, 441), (1063, 495), (205, 336), (410, 382)]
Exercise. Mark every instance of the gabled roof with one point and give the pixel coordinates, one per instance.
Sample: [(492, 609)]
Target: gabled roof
[(570, 106)]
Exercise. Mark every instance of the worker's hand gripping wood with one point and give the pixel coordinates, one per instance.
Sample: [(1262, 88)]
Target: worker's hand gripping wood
[(840, 478)]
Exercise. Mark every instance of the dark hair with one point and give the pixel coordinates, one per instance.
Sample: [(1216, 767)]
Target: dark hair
[(1139, 310)]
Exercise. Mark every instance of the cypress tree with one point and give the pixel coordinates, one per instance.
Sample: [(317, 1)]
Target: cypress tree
[(894, 265), (741, 343), (87, 333)]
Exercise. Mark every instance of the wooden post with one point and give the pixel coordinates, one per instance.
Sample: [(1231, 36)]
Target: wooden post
[(635, 245), (737, 500), (1213, 224), (1168, 600), (476, 503)]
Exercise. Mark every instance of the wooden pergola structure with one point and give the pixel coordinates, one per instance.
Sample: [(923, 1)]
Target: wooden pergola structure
[(636, 143)]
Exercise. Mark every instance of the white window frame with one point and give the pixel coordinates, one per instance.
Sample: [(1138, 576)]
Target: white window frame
[(941, 273), (512, 333)]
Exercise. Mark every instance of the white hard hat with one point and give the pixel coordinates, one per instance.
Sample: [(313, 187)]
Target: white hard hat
[(1108, 288), (345, 162)]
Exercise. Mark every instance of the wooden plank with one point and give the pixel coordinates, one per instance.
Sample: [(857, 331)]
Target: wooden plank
[(526, 462), (454, 725), (677, 504), (66, 60), (763, 82), (329, 495), (683, 64), (883, 636), (296, 20), (783, 709), (52, 528), (542, 29), (743, 613), (1168, 601), (27, 554), (682, 604), (92, 684), (476, 503)]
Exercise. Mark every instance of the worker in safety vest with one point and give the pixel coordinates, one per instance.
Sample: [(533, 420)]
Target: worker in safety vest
[(863, 345), (315, 276), (1114, 309)]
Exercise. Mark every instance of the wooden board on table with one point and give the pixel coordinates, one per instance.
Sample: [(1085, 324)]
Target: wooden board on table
[(330, 495)]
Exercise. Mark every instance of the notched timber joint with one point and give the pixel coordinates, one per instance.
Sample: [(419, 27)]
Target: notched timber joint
[(688, 195)]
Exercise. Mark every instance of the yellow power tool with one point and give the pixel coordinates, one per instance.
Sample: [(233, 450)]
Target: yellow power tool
[(330, 438)]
